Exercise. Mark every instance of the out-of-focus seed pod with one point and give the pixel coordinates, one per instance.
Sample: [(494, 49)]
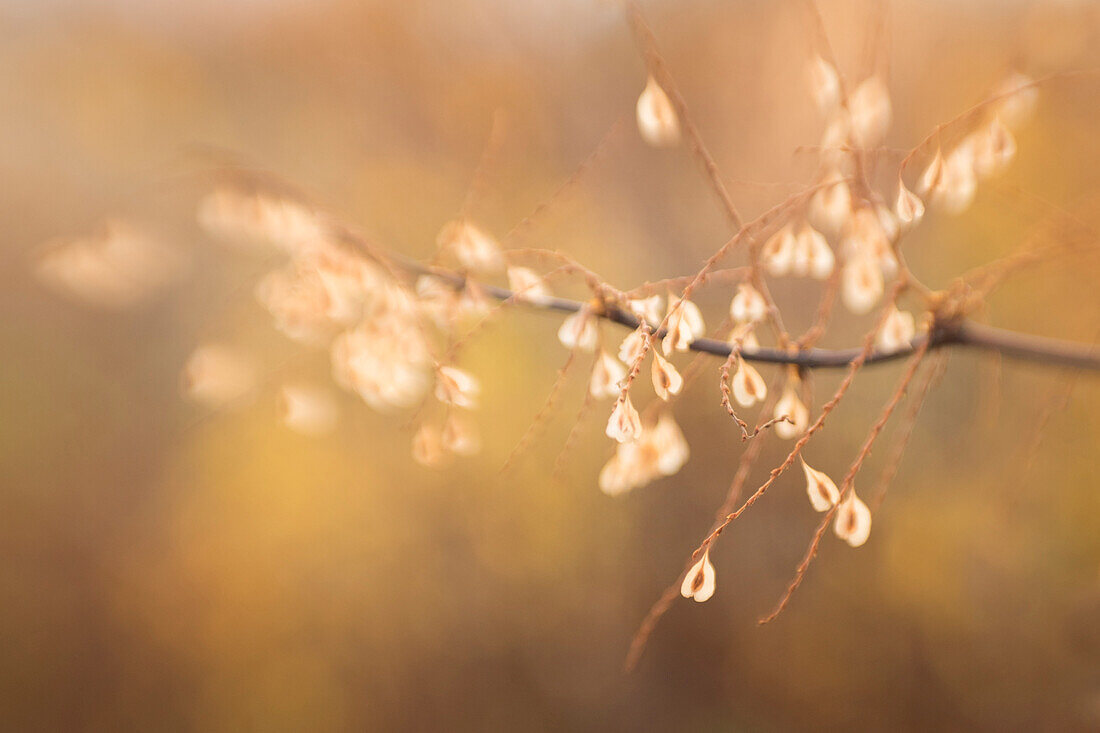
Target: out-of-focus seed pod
[(853, 521), (685, 324), (460, 435), (778, 252), (631, 348), (896, 332), (909, 208), (527, 285), (307, 409), (427, 445), (824, 83), (624, 424), (648, 309), (959, 183), (1019, 99), (579, 331), (994, 148), (932, 175), (657, 120), (115, 269), (606, 376), (748, 305), (475, 249), (861, 284), (453, 386), (870, 112), (812, 255), (831, 206), (790, 405), (666, 380)]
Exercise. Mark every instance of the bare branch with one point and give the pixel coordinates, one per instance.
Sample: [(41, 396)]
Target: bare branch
[(964, 332)]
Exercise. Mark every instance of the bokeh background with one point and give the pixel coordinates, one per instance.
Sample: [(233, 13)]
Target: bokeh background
[(165, 567)]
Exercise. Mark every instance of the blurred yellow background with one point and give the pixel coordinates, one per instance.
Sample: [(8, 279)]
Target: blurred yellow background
[(167, 568)]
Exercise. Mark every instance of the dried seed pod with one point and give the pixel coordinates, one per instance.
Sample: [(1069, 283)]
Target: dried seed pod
[(1018, 106), (460, 435), (386, 361), (994, 148), (624, 423), (745, 336), (853, 520), (778, 252), (116, 268), (606, 376), (666, 380), (669, 444), (427, 445), (861, 284), (820, 488), (620, 474), (255, 221), (527, 285), (437, 300), (748, 305), (475, 249), (317, 294), (932, 175), (307, 409), (812, 255), (579, 331), (887, 222), (831, 206), (453, 386), (790, 405), (959, 182), (824, 83), (685, 324), (660, 451), (870, 112), (657, 120), (748, 386), (897, 331), (648, 309), (909, 208), (630, 350), (700, 581)]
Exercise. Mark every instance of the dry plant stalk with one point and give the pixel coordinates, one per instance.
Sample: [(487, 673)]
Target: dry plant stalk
[(396, 328)]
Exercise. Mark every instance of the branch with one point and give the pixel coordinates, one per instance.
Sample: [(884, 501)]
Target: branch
[(1012, 344), (1026, 347)]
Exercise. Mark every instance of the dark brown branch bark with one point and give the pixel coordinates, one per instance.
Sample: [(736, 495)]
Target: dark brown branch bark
[(1011, 344)]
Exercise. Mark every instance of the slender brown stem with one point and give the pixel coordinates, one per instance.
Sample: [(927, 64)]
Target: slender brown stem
[(931, 378), (658, 69), (551, 399), (744, 467), (847, 484)]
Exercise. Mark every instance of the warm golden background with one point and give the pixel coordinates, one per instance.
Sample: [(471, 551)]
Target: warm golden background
[(167, 569)]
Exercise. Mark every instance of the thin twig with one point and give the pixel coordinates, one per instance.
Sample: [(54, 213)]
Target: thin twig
[(849, 481), (540, 418), (744, 467), (932, 377), (658, 69)]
